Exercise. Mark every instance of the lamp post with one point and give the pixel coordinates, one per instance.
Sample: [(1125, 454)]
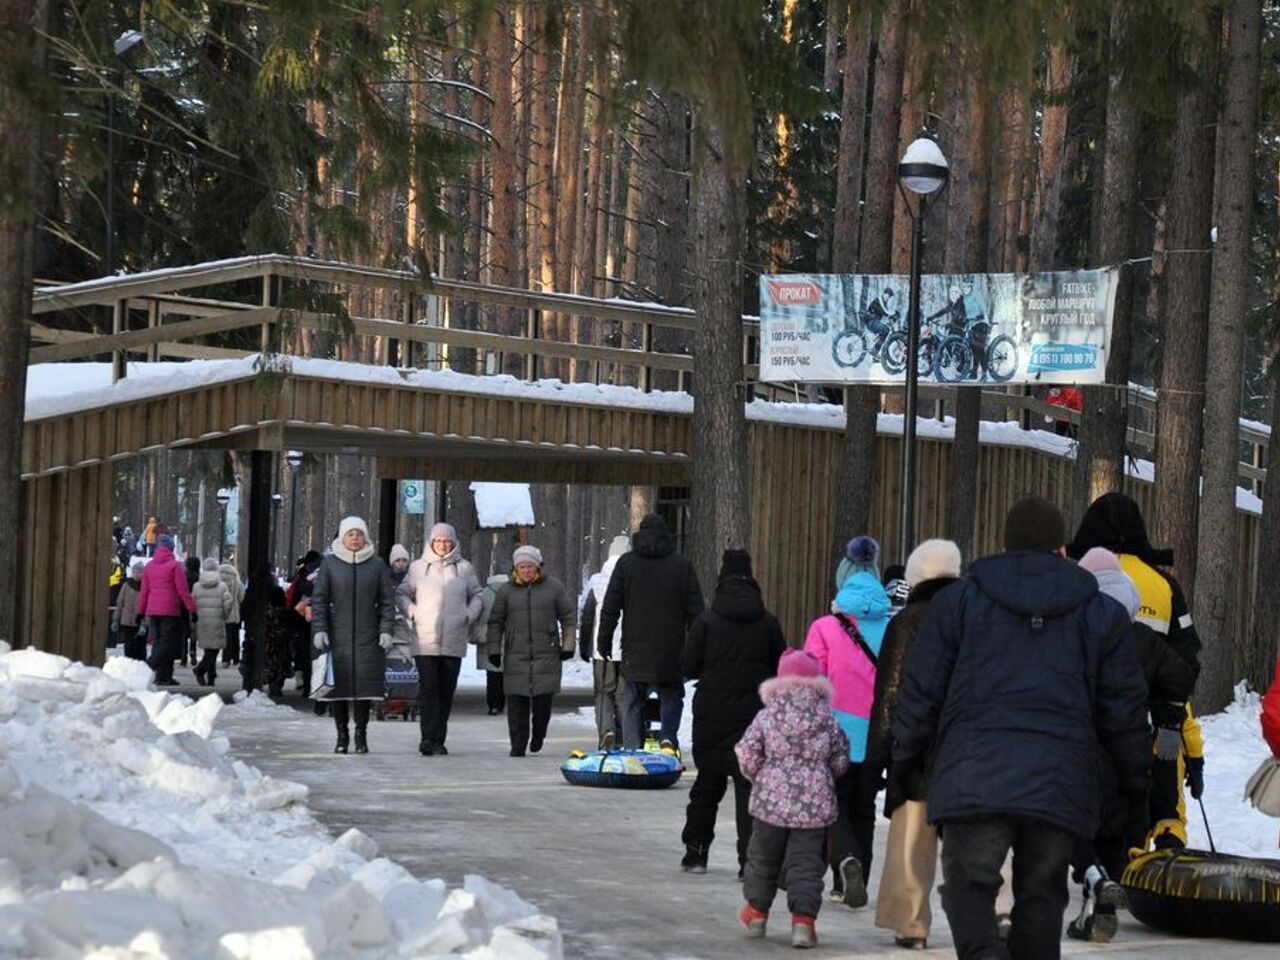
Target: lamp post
[(224, 498), (277, 501), (122, 45), (294, 459), (922, 171)]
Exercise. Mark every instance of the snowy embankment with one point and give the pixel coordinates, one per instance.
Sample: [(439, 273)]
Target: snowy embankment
[(128, 830)]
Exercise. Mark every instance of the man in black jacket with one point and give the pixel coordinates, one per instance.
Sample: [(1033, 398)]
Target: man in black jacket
[(1016, 676), (732, 648), (659, 591)]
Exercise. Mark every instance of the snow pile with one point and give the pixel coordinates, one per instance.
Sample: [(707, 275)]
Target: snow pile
[(127, 830), (1233, 749)]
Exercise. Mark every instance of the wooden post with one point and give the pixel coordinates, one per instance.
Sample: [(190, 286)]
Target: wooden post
[(388, 513), (266, 328), (646, 345), (154, 318), (119, 324), (261, 579), (531, 334)]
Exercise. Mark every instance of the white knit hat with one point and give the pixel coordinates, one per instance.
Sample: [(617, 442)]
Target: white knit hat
[(619, 545), (398, 552), (933, 559), (527, 554), (352, 523)]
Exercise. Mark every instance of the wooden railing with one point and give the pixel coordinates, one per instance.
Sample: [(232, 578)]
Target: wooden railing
[(272, 292)]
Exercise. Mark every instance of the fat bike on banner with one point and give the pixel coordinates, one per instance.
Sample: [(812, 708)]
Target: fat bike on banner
[(889, 347), (956, 359)]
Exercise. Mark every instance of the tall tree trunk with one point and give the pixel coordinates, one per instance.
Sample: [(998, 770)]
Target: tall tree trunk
[(671, 214), (20, 137), (1053, 149), (851, 156), (1189, 212), (862, 404), (968, 203), (592, 221), (833, 23), (1215, 593), (910, 126), (504, 207), (718, 506), (1100, 458), (567, 163)]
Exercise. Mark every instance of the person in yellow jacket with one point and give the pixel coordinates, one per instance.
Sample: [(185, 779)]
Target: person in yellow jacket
[(1114, 521)]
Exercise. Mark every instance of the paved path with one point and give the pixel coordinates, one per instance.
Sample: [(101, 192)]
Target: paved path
[(604, 862)]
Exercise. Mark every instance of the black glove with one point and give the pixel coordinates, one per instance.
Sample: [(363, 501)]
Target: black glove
[(1195, 776), (495, 660), (566, 655)]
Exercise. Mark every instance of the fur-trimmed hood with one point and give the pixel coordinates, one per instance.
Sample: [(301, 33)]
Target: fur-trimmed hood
[(776, 686), (339, 552)]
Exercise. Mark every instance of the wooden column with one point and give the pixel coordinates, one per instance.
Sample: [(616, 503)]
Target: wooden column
[(119, 324), (261, 580), (388, 512)]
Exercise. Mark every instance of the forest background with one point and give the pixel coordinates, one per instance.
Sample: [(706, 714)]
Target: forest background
[(669, 151)]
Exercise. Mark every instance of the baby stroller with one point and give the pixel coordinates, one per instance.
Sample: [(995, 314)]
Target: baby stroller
[(400, 679)]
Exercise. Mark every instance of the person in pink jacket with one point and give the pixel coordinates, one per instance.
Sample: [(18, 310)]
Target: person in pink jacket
[(161, 600)]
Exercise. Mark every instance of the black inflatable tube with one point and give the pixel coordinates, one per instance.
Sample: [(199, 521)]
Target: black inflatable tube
[(1199, 894)]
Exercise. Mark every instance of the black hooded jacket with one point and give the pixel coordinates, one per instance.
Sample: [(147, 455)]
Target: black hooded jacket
[(659, 591), (732, 649), (1016, 676)]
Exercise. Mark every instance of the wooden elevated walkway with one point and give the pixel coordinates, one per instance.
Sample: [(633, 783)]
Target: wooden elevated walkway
[(439, 424)]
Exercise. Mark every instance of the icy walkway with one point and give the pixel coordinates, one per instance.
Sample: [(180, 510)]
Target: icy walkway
[(605, 863)]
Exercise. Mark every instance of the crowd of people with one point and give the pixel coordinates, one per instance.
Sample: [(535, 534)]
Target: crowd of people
[(1034, 706)]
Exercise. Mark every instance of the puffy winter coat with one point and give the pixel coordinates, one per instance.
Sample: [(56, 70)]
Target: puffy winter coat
[(444, 603), (898, 639), (658, 590), (213, 607), (732, 649), (351, 601), (127, 603), (164, 590), (231, 577), (533, 623), (480, 632), (792, 753), (1016, 675), (589, 623), (864, 603)]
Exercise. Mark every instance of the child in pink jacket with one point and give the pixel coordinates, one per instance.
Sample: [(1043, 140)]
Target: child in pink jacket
[(792, 753)]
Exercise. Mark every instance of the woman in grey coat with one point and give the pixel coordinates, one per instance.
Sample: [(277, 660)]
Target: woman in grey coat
[(533, 619), (353, 614), (444, 603)]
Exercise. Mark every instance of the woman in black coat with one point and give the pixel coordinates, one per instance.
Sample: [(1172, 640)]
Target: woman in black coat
[(353, 614)]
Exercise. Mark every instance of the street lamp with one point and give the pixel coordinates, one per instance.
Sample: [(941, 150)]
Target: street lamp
[(122, 45), (922, 171), (224, 498), (277, 501), (294, 459)]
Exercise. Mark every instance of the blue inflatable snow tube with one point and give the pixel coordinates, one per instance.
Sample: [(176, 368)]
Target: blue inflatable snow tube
[(628, 769), (1199, 894)]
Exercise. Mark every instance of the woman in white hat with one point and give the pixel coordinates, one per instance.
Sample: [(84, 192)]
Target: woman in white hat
[(353, 615)]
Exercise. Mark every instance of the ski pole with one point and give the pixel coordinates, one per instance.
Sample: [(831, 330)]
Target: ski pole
[(1205, 818)]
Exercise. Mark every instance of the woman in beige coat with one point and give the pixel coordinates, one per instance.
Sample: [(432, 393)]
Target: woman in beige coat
[(444, 603), (209, 622)]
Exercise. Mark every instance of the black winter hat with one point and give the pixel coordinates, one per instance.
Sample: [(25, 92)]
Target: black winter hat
[(1034, 524), (735, 563)]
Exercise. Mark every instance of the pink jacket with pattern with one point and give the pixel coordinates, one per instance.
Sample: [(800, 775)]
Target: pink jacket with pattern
[(164, 587), (793, 752)]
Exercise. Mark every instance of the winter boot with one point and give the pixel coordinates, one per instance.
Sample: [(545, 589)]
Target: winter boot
[(441, 750), (695, 859), (426, 748), (607, 741), (362, 744), (1097, 921), (803, 934), (344, 739), (753, 920), (911, 943), (855, 888)]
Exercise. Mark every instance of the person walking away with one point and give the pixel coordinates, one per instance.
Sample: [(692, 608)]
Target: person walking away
[(353, 614), (489, 655), (658, 591), (191, 568), (213, 605), (861, 554), (792, 753), (606, 672), (1114, 521), (1124, 824), (278, 644), (298, 616), (235, 586), (166, 602), (150, 536), (1017, 674), (533, 622), (733, 647), (444, 603), (846, 644), (911, 852), (125, 620)]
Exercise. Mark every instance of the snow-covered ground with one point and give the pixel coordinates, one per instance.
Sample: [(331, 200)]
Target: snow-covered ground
[(127, 830)]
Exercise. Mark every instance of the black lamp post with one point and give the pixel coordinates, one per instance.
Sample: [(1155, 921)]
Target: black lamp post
[(122, 45), (277, 501), (294, 459), (922, 171), (224, 498)]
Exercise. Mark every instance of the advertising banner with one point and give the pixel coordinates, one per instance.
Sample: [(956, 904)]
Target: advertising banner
[(978, 328), (413, 497)]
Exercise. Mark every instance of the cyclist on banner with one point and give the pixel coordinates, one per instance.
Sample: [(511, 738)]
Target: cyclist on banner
[(880, 314), (977, 327)]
